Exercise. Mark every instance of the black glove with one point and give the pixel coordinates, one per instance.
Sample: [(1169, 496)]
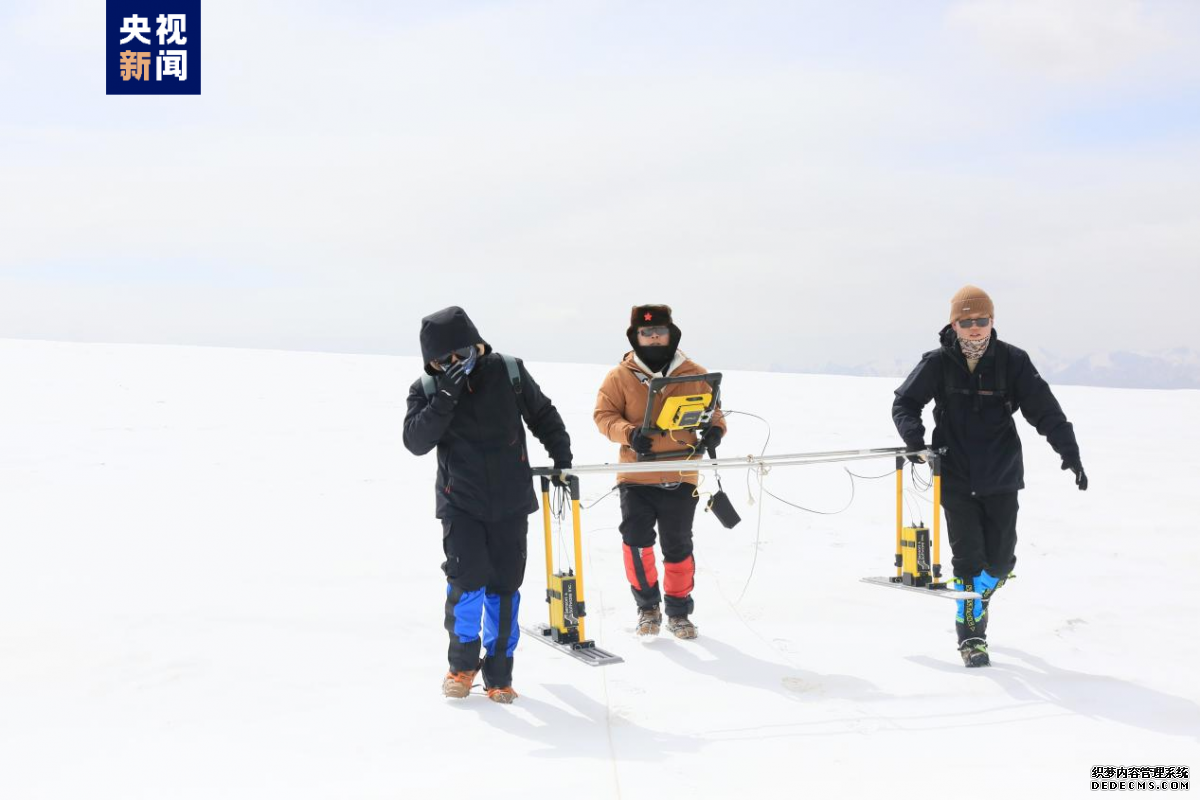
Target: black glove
[(449, 385), (640, 442), (710, 441), (1073, 463), (560, 480), (914, 458)]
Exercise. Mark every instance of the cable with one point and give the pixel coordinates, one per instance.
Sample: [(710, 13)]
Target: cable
[(699, 475), (760, 419), (763, 452), (602, 497), (871, 477), (921, 483), (757, 529), (761, 470), (849, 503), (912, 515), (558, 510)]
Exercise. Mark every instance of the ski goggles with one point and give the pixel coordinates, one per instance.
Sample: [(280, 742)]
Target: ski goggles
[(982, 322), (463, 354), (655, 330)]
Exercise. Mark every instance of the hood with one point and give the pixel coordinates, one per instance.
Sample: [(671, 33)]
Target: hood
[(446, 330)]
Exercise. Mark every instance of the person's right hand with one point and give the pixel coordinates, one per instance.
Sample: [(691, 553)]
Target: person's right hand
[(559, 480), (450, 384), (913, 457), (640, 442)]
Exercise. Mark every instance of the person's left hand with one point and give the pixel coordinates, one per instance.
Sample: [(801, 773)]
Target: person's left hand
[(711, 440), (1073, 463), (561, 480)]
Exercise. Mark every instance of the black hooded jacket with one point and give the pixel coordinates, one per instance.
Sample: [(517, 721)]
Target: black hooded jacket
[(483, 466), (974, 420)]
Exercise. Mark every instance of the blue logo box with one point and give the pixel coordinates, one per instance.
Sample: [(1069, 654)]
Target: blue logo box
[(152, 47)]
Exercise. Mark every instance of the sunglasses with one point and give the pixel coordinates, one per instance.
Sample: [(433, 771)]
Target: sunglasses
[(982, 322), (463, 354), (657, 330)]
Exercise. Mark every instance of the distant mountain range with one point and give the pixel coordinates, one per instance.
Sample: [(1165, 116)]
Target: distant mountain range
[(1178, 368)]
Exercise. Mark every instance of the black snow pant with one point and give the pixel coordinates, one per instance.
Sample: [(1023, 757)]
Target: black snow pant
[(484, 566), (673, 509), (983, 537)]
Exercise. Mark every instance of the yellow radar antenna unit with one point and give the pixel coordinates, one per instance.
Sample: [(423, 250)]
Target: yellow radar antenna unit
[(564, 591)]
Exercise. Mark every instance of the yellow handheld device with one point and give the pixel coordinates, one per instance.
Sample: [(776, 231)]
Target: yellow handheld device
[(684, 411)]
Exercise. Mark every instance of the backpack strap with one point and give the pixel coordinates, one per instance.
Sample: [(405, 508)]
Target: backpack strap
[(1002, 375), (514, 378), (514, 372)]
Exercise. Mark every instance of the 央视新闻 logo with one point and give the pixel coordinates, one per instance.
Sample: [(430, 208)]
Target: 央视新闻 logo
[(152, 47)]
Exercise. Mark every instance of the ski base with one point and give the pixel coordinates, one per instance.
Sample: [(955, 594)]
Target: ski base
[(585, 651), (930, 591)]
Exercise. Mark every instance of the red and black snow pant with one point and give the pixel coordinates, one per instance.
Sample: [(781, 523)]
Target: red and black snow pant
[(673, 509)]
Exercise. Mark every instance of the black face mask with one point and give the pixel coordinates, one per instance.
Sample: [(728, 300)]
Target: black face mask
[(656, 356)]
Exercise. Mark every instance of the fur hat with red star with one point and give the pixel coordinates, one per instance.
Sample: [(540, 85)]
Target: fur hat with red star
[(651, 315)]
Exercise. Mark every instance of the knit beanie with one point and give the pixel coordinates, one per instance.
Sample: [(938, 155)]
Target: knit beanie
[(971, 302)]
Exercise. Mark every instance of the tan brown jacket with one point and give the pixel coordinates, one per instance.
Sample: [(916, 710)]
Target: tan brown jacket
[(621, 405)]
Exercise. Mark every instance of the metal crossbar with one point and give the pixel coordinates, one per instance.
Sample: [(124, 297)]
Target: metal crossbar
[(745, 462)]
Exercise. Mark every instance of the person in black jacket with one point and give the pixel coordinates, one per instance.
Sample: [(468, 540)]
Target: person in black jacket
[(977, 384), (470, 408)]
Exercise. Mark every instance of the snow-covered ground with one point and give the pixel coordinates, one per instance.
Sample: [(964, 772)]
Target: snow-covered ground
[(219, 579)]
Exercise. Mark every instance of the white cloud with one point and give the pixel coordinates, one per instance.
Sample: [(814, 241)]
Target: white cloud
[(1069, 39)]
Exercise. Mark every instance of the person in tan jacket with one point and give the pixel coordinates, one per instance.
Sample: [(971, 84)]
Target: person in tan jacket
[(667, 499)]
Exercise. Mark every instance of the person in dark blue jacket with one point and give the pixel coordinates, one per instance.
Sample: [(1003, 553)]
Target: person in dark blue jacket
[(470, 407), (977, 383)]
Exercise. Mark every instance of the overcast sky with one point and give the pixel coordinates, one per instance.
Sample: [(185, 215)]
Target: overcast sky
[(803, 182)]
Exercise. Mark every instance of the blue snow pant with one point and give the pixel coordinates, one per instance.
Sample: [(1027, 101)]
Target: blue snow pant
[(983, 537), (484, 566)]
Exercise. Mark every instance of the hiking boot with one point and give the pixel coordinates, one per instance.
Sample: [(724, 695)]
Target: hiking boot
[(974, 653), (682, 627), (502, 694), (458, 684), (649, 621)]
